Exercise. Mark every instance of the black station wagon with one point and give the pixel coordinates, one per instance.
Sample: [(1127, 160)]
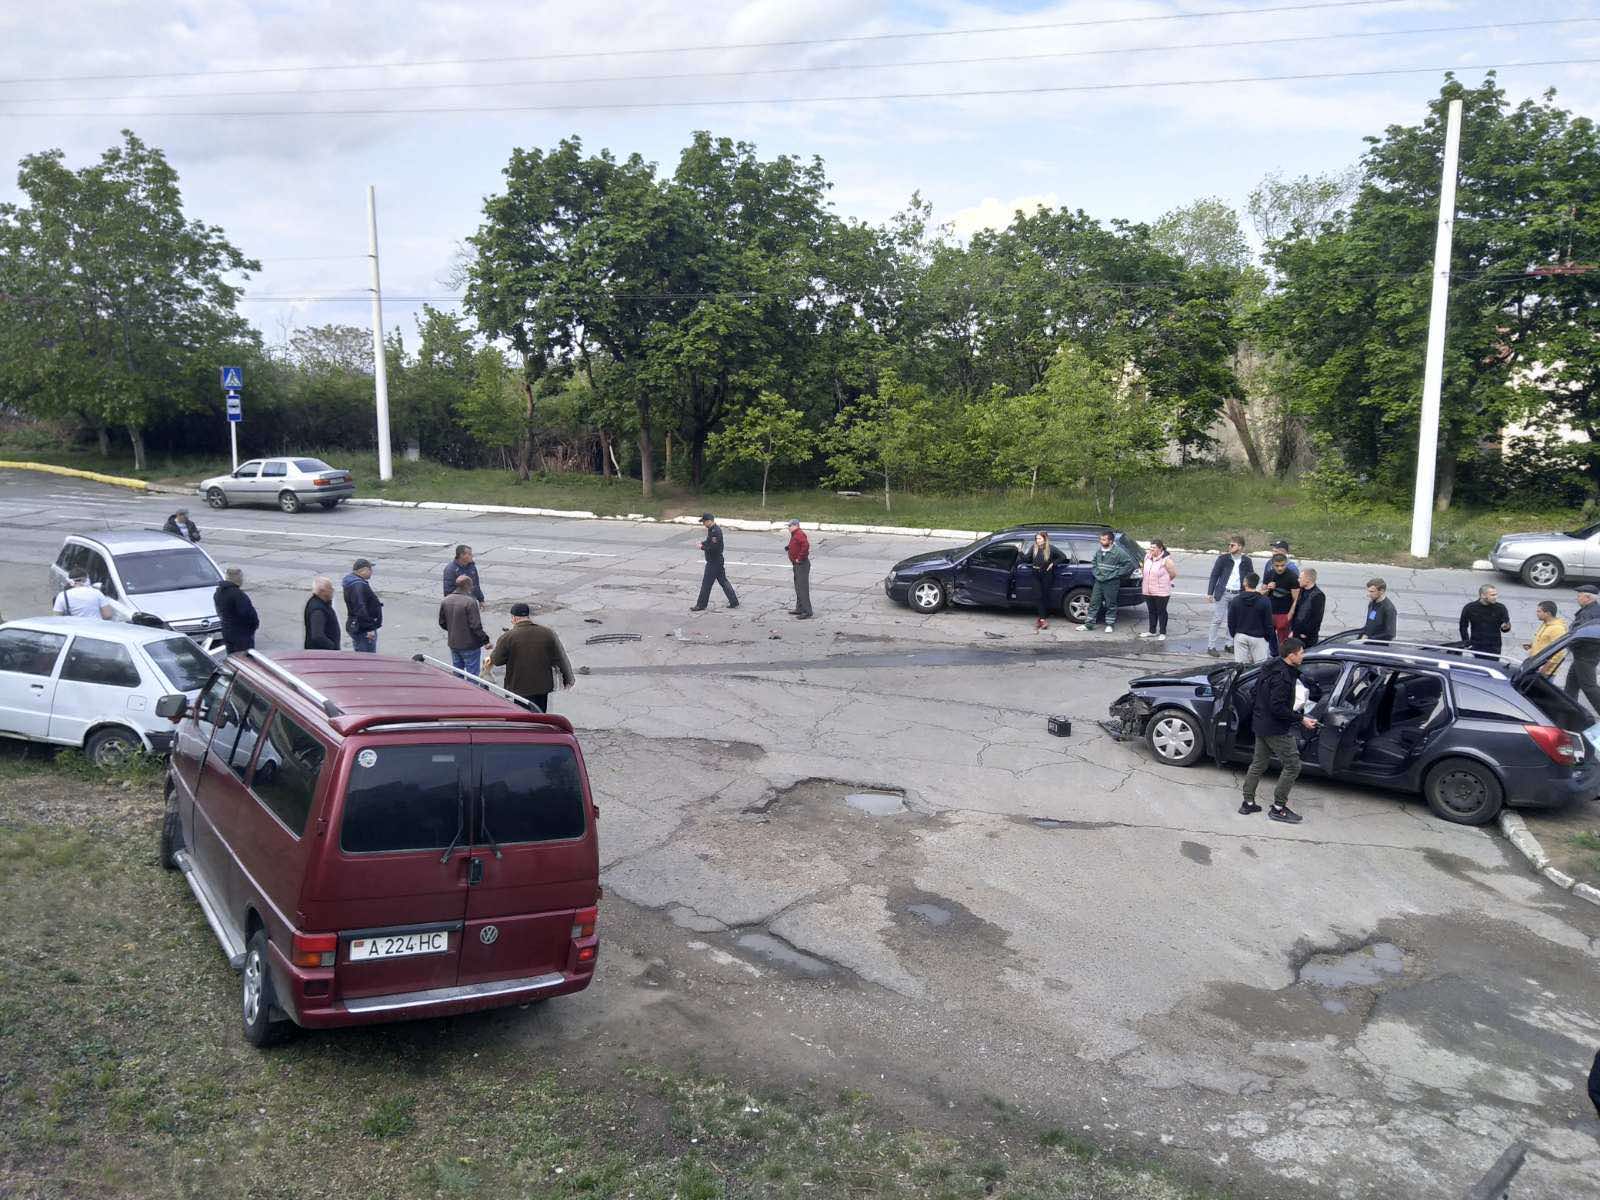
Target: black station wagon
[(989, 573), (1472, 732)]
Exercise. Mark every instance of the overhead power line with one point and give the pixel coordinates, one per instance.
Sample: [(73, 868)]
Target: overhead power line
[(809, 69), (741, 101), (1083, 23)]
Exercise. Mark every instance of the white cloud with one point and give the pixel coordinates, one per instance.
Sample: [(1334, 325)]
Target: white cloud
[(992, 213)]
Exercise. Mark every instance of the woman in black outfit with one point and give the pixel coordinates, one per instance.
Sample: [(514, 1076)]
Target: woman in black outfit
[(1038, 555)]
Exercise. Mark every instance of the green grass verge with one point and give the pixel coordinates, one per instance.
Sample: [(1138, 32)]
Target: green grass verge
[(1188, 507), (122, 1072)]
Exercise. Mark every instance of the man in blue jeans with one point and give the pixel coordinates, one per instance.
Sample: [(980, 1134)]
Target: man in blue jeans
[(363, 609), (462, 622)]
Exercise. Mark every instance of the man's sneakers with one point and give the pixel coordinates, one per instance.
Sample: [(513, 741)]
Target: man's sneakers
[(1248, 807), (1083, 628), (1143, 636), (735, 604), (1111, 629), (697, 608), (1214, 652), (1282, 812)]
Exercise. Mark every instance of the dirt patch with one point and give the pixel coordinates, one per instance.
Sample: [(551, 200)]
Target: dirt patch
[(1571, 837)]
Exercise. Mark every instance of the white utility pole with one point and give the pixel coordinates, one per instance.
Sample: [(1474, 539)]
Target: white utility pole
[(233, 442), (1433, 370), (380, 367)]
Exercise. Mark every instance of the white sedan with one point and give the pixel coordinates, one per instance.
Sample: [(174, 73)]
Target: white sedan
[(288, 483)]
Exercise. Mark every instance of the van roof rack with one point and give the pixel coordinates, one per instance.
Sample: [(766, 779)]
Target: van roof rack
[(298, 684), (480, 681)]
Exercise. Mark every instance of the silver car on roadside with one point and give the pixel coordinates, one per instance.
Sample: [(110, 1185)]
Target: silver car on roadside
[(1545, 560), (288, 483)]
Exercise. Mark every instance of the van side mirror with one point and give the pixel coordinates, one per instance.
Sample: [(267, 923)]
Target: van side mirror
[(174, 707)]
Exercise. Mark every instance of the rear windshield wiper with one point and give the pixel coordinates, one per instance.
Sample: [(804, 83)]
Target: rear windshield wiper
[(461, 826), (483, 824)]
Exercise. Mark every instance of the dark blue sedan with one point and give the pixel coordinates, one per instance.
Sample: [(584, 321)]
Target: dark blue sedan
[(988, 573)]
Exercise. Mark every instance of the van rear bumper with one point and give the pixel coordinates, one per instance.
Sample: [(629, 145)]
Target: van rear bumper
[(318, 1012)]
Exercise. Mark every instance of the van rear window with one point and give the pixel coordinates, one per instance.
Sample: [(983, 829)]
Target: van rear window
[(403, 798), (529, 794)]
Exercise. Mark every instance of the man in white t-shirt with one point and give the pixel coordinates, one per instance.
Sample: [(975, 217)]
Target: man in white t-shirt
[(81, 600)]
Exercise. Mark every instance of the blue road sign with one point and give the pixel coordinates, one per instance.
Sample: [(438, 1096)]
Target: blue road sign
[(235, 406), (232, 379)]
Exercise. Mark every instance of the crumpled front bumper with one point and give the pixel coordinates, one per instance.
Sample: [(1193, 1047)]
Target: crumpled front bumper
[(1129, 712)]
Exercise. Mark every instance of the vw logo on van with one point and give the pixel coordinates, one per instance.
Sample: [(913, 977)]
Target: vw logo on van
[(488, 934)]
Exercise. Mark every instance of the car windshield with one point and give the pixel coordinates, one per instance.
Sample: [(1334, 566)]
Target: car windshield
[(310, 466), (184, 664), (1588, 531), (166, 571)]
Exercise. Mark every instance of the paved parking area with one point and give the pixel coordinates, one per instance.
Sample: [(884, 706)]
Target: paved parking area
[(1373, 1003)]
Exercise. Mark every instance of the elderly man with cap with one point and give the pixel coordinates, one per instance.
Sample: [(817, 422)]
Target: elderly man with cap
[(715, 572), (363, 610), (531, 655), (1585, 651), (180, 524), (799, 550)]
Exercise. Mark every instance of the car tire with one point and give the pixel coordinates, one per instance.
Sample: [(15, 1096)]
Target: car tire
[(330, 505), (926, 596), (1174, 737), (1075, 605), (112, 746), (1543, 571), (171, 831), (217, 498), (1463, 792), (257, 1003), (289, 502)]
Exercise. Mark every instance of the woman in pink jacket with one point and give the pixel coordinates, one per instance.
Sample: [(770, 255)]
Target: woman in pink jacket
[(1159, 573)]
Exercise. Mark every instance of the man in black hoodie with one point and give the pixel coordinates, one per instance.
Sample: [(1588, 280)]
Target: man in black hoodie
[(1307, 622), (322, 622), (1273, 718), (239, 619)]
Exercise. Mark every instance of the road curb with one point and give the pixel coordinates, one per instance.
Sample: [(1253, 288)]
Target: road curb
[(137, 485), (1517, 833)]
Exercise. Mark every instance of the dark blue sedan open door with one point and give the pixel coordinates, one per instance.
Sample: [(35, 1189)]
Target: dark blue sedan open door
[(985, 576)]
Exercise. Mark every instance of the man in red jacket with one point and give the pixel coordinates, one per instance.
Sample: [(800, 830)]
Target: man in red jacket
[(800, 556)]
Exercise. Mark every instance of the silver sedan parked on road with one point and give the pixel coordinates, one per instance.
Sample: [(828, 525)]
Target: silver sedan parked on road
[(289, 483), (1544, 560)]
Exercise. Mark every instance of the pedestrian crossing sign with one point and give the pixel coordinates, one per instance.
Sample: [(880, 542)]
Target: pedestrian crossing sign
[(232, 379)]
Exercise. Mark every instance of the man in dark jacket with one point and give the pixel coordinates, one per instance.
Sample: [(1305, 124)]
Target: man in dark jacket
[(239, 619), (1227, 577), (363, 610), (1381, 622), (1307, 623), (322, 622), (1585, 653), (1110, 565), (1594, 1083), (1273, 718), (531, 655), (458, 566), (715, 572), (462, 622), (180, 524), (1250, 623), (1484, 620)]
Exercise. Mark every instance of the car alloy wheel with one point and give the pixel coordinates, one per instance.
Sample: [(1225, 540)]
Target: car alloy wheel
[(1542, 571), (252, 987), (217, 498), (289, 502), (1076, 605), (927, 595), (1174, 738)]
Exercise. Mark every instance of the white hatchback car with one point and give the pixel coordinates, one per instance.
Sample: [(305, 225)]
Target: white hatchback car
[(82, 682), (145, 573)]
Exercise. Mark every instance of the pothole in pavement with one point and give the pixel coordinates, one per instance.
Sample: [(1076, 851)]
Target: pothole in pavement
[(868, 799), (1365, 967), (779, 953)]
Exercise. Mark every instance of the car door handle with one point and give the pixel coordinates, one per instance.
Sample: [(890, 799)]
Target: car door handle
[(38, 687)]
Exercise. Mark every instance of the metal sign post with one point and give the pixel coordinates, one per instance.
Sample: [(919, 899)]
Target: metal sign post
[(233, 396)]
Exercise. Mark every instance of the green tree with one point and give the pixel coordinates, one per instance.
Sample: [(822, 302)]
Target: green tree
[(1205, 233), (768, 432), (1109, 429), (494, 408), (878, 435), (118, 303), (1021, 438)]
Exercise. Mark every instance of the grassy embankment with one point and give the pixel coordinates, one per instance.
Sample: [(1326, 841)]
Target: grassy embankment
[(123, 1074), (1191, 507)]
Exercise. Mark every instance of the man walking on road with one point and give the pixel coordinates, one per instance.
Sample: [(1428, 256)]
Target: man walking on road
[(462, 621), (799, 549), (1281, 585), (1110, 566), (322, 622), (458, 566), (1381, 622), (81, 600), (1551, 627), (1250, 624), (1308, 611), (1483, 621), (180, 524), (715, 572), (1274, 719), (1585, 653), (239, 619), (531, 655), (1227, 575), (363, 609)]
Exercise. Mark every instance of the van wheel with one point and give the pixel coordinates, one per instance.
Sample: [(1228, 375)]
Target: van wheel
[(289, 502), (110, 748), (1464, 792), (257, 1003), (1174, 737), (1075, 605), (171, 832), (217, 498)]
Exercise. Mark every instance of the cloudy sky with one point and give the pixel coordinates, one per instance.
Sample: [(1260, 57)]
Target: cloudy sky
[(244, 96)]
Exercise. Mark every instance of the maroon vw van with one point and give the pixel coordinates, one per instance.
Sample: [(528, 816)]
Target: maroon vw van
[(375, 839)]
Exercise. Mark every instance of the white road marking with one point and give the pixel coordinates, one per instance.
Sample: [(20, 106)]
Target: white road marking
[(569, 553), (323, 537)]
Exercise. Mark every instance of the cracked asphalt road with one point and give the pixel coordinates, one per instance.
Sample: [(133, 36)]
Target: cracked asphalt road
[(1060, 923)]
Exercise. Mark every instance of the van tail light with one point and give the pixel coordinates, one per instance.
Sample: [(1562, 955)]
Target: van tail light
[(1564, 749), (315, 949), (583, 923)]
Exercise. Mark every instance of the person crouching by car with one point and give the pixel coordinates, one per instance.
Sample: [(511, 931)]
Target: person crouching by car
[(180, 524), (363, 610), (239, 619)]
